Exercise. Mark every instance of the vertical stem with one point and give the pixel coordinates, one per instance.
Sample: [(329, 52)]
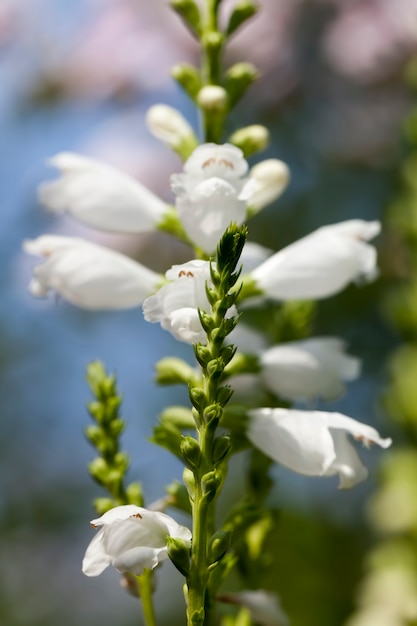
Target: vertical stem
[(146, 596)]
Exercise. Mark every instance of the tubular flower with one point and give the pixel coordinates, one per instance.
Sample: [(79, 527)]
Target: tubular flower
[(175, 305), (168, 125), (264, 606), (271, 178), (308, 369), (131, 539), (320, 264), (101, 196), (313, 443), (212, 192), (88, 275)]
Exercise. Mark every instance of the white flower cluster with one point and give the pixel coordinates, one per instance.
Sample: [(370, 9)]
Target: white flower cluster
[(214, 190)]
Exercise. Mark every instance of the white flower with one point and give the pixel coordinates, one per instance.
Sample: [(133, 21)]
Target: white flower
[(271, 177), (101, 196), (264, 606), (168, 125), (88, 275), (212, 193), (313, 443), (320, 264), (176, 304), (131, 539), (305, 370)]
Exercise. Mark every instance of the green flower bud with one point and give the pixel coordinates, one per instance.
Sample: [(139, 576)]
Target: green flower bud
[(221, 448), (190, 14), (99, 470), (180, 417), (213, 98), (213, 414), (189, 482), (210, 484), (224, 394), (219, 545), (179, 553), (190, 451), (134, 494), (251, 139), (202, 354), (197, 397), (94, 435), (242, 12), (173, 371), (238, 79), (243, 364), (215, 368), (188, 77)]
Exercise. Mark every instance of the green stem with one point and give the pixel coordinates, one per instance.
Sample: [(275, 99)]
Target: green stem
[(146, 596)]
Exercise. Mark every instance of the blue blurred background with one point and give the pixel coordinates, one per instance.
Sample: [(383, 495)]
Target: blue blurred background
[(80, 76)]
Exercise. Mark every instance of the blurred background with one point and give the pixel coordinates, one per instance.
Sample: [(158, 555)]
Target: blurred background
[(337, 93)]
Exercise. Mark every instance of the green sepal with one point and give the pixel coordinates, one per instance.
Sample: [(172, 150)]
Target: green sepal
[(174, 371), (188, 77), (180, 417), (168, 437), (238, 79), (221, 448), (170, 223), (218, 546), (240, 14), (190, 14), (197, 397), (178, 496), (134, 494), (190, 452), (202, 354), (251, 139), (179, 553)]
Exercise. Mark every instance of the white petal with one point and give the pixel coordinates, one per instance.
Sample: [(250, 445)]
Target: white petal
[(101, 196), (347, 464), (225, 161), (305, 370), (321, 264), (271, 178), (95, 559), (88, 275), (264, 606), (138, 559), (118, 513), (168, 125)]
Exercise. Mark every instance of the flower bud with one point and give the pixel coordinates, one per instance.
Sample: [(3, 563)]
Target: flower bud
[(212, 98), (190, 452), (242, 12), (168, 125), (251, 139), (188, 77), (189, 482), (219, 545), (197, 397), (221, 448), (174, 371), (224, 394), (202, 354), (213, 413), (271, 178), (179, 416), (179, 553), (189, 12), (210, 484), (238, 79)]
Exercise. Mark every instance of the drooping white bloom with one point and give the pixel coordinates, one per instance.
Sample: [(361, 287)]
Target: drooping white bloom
[(320, 264), (131, 539), (271, 177), (308, 369), (175, 305), (101, 196), (168, 125), (211, 193), (88, 275), (264, 606), (313, 443)]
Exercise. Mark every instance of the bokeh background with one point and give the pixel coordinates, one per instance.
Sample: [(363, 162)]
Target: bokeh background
[(337, 94)]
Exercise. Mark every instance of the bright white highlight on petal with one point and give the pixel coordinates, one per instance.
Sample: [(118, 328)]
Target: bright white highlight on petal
[(308, 369), (175, 305), (101, 196), (131, 539), (313, 443), (211, 193), (88, 275), (320, 264), (271, 178), (264, 606)]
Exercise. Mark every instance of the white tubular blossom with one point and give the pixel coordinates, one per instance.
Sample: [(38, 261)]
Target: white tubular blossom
[(264, 606), (308, 369), (131, 539), (101, 196), (320, 264), (211, 193), (271, 178), (88, 275), (168, 125), (313, 443)]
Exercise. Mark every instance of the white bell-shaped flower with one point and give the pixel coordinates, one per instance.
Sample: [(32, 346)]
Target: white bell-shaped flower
[(131, 539), (308, 369), (168, 125), (264, 606), (313, 443), (211, 193), (175, 305), (271, 178), (101, 196), (88, 275), (320, 264)]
